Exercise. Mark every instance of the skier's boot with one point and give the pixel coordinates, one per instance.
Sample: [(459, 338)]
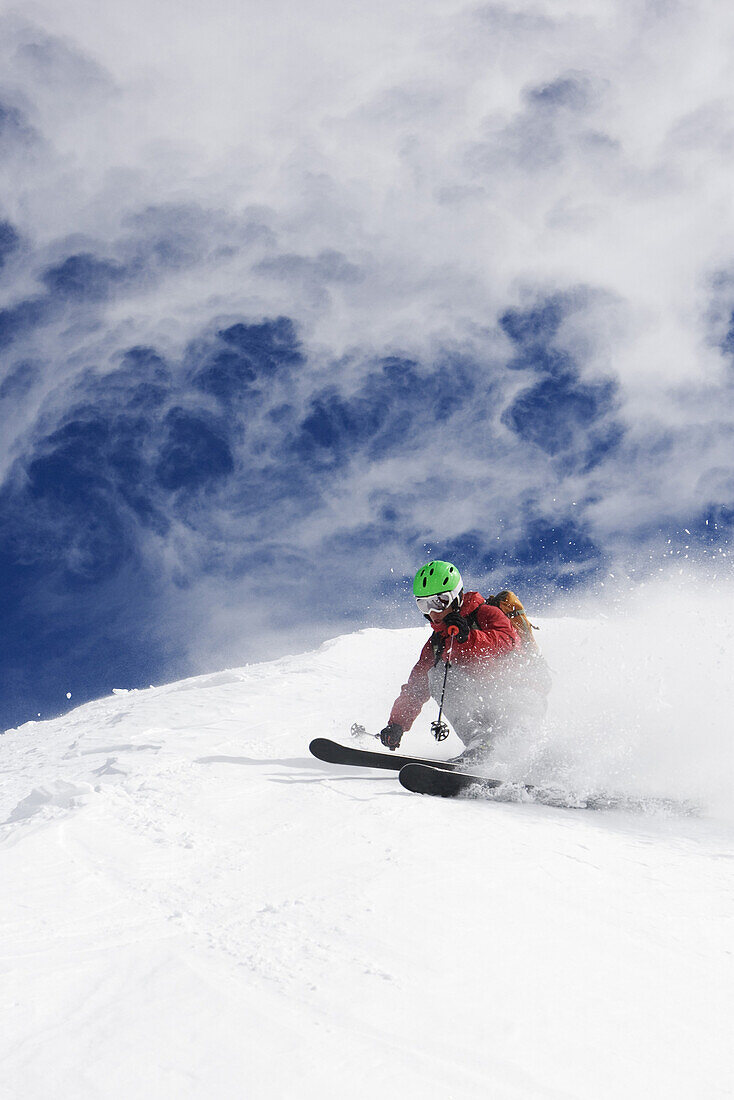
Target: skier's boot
[(477, 750)]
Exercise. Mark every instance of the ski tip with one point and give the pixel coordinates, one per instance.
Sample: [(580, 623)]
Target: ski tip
[(331, 752), (422, 779), (322, 748), (427, 779)]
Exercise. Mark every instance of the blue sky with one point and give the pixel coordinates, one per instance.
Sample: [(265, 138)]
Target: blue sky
[(294, 304)]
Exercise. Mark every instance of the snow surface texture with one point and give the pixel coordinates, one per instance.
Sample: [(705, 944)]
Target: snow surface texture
[(193, 907)]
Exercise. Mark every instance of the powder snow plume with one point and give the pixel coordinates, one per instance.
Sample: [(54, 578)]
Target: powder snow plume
[(642, 697)]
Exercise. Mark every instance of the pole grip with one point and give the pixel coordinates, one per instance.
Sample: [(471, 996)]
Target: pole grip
[(452, 631)]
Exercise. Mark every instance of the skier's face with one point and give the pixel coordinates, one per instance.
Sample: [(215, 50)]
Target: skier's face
[(436, 607), (438, 616)]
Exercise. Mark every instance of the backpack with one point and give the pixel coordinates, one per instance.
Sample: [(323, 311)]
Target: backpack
[(510, 606)]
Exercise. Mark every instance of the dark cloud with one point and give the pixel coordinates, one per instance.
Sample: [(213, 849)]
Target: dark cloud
[(535, 326), (15, 129), (9, 241), (397, 402), (565, 92), (175, 236), (552, 412), (552, 555), (727, 343), (134, 452), (77, 598), (157, 242), (194, 454), (554, 125), (231, 364), (83, 276), (328, 267), (19, 380), (21, 319), (150, 444), (555, 545), (560, 413), (57, 64)]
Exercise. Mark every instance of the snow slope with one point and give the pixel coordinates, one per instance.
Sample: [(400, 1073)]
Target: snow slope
[(191, 906)]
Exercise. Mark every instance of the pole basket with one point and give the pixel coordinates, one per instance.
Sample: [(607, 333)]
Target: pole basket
[(440, 730)]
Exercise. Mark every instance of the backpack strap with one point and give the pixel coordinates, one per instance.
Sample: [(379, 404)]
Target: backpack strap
[(509, 605), (472, 617), (438, 641)]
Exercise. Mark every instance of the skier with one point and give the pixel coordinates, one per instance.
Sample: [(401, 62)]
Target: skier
[(497, 678)]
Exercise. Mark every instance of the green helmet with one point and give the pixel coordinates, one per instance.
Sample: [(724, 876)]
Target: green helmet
[(435, 577)]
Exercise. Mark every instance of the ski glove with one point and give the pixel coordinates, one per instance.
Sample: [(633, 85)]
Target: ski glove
[(391, 735), (457, 620)]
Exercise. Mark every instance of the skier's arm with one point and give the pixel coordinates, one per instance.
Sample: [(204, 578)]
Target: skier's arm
[(415, 693), (495, 635)]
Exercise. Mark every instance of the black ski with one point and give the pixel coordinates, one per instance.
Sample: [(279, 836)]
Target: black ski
[(446, 779), (425, 779), (334, 753)]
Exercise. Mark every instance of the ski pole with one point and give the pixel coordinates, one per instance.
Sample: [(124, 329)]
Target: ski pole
[(439, 729)]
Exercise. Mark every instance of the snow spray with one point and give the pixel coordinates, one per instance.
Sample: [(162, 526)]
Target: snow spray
[(642, 700)]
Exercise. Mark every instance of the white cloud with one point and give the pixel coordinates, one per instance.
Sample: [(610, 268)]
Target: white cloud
[(394, 178)]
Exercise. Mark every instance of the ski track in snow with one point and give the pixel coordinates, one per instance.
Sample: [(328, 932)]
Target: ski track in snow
[(193, 907)]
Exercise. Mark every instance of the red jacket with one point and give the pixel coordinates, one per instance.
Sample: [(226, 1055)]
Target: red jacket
[(494, 637)]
